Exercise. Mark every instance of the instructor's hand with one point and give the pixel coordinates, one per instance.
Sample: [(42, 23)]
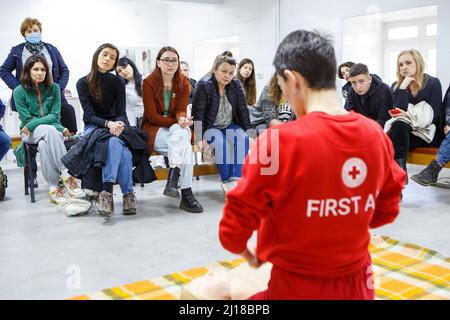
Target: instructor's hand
[(251, 258), (25, 131)]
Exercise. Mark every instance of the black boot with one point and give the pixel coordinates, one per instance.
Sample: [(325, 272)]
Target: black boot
[(171, 189), (189, 203), (429, 175), (402, 164)]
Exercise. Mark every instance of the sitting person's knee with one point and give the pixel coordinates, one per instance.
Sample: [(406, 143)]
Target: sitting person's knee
[(400, 125)]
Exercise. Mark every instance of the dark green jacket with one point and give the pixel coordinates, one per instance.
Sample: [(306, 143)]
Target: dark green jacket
[(33, 112)]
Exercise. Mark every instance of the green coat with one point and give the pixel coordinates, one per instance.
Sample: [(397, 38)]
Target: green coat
[(27, 104)]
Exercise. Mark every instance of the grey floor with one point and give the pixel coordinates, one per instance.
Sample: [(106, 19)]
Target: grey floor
[(45, 255)]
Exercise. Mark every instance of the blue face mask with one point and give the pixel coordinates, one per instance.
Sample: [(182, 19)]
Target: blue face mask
[(34, 38)]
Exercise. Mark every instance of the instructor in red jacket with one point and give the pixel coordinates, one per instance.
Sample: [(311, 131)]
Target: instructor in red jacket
[(313, 187)]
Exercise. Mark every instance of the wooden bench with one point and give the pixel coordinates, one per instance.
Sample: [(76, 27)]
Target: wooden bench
[(199, 169), (423, 156), (162, 173)]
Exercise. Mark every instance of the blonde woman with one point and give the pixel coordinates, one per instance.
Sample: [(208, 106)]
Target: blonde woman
[(413, 86), (272, 106)]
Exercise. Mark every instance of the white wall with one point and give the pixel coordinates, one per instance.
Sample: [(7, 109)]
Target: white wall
[(443, 43), (78, 27), (327, 15), (251, 20)]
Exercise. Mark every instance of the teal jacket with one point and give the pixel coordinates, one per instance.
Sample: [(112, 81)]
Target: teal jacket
[(34, 111)]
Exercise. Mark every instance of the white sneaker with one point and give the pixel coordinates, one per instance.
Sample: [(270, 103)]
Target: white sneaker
[(57, 196), (72, 187), (76, 207)]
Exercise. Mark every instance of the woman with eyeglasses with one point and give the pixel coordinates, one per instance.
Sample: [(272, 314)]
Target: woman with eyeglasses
[(166, 94)]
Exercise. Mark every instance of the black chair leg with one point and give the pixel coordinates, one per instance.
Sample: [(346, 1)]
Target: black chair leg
[(166, 161), (25, 176), (30, 179)]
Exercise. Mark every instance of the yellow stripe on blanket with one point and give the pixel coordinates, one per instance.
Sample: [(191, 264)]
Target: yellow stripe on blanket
[(401, 271)]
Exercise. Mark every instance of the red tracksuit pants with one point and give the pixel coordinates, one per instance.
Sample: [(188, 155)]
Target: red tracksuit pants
[(284, 285)]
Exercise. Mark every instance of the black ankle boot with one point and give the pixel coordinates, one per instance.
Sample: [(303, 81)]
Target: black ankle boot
[(402, 164), (429, 175), (189, 203), (171, 189)]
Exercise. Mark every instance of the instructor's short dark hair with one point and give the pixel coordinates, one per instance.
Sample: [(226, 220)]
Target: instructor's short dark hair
[(311, 54), (358, 69)]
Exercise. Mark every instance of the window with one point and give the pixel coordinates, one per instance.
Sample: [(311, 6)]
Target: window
[(403, 33), (409, 34), (432, 29)]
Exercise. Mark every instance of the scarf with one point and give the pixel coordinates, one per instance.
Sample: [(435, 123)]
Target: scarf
[(34, 48)]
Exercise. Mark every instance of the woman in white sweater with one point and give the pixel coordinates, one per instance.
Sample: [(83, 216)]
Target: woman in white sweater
[(133, 80)]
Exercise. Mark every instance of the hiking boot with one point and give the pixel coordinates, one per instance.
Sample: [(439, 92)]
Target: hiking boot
[(171, 189), (129, 204), (105, 204), (72, 187), (402, 164), (429, 175), (57, 196), (189, 203)]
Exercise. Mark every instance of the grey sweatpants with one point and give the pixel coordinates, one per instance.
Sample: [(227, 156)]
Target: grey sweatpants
[(51, 149)]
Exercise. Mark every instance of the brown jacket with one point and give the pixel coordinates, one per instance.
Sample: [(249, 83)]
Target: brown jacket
[(154, 107)]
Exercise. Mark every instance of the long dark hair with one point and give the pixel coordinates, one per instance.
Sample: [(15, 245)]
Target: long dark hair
[(92, 77), (248, 83), (177, 81), (25, 78), (124, 62)]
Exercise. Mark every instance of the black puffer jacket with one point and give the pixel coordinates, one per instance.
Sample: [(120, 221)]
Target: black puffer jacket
[(206, 101)]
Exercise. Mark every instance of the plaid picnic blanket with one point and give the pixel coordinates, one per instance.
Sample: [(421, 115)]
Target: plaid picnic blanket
[(402, 271)]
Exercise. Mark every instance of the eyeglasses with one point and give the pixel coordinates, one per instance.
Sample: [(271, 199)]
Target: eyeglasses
[(169, 61)]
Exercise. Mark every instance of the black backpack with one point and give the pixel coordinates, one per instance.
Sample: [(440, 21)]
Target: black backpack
[(3, 184)]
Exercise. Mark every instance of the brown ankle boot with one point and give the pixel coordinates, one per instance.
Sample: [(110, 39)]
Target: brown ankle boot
[(105, 204), (129, 204)]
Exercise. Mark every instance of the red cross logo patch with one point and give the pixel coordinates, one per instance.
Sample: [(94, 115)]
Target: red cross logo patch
[(354, 172)]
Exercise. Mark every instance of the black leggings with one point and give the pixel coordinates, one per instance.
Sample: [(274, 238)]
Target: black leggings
[(68, 117), (403, 139)]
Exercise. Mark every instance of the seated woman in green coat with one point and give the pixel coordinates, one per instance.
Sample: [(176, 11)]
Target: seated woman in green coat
[(38, 102)]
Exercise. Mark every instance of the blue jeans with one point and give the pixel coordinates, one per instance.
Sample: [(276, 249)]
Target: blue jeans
[(5, 143), (119, 164), (443, 155), (230, 147)]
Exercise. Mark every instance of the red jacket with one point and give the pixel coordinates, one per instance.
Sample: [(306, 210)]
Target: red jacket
[(335, 177), (154, 107)]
